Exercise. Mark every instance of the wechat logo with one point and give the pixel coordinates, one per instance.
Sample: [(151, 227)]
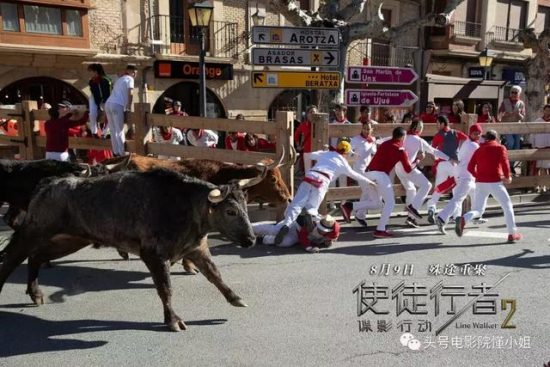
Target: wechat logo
[(408, 340)]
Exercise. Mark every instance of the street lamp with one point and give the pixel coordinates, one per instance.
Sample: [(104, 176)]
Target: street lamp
[(200, 14), (485, 60)]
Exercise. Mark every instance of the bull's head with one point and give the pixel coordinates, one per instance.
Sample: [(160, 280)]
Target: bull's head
[(272, 188), (228, 213)]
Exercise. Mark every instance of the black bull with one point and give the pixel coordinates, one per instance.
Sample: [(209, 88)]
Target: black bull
[(159, 215)]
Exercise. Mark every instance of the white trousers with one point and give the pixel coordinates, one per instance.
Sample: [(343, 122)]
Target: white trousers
[(269, 230), (445, 169), (410, 182), (58, 156), (307, 197), (464, 186), (371, 198), (115, 116), (93, 114), (497, 189)]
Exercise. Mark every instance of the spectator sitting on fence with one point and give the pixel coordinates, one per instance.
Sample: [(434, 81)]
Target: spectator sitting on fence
[(168, 135), (310, 235), (457, 110), (57, 129), (201, 138), (177, 110), (485, 113), (257, 144), (430, 114), (542, 141)]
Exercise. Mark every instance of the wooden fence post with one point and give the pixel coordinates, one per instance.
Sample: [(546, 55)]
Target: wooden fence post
[(285, 138), (140, 119), (27, 127)]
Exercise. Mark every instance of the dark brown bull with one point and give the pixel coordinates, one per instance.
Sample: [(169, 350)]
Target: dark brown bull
[(271, 189)]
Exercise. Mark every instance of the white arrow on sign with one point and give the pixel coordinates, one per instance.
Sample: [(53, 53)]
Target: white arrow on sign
[(294, 57), (299, 36)]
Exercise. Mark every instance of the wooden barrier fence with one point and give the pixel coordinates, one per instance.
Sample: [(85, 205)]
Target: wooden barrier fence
[(143, 120), (322, 131)]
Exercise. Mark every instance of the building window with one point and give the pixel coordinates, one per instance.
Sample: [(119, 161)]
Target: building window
[(10, 20), (543, 19), (74, 23), (41, 19), (38, 19)]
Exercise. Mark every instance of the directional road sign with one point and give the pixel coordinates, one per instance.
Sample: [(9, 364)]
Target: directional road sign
[(386, 98), (294, 57), (306, 36), (295, 79), (381, 75)]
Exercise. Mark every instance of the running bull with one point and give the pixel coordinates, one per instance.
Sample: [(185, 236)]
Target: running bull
[(159, 215)]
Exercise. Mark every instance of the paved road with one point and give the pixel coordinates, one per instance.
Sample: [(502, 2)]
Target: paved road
[(103, 311)]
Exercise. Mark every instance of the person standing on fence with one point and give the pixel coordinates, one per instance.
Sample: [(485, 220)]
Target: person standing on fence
[(446, 140), (120, 102), (311, 192), (100, 89), (416, 147), (491, 169), (62, 118), (384, 161), (364, 148), (465, 180), (542, 141), (310, 236), (512, 109)]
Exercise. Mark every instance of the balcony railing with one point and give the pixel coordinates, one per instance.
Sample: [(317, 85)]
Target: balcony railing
[(503, 34), (381, 54), (467, 29), (175, 36)]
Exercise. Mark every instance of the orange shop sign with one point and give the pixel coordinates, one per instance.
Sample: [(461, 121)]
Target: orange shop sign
[(190, 70)]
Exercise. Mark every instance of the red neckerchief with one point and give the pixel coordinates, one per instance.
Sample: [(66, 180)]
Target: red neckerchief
[(198, 134), (474, 140), (363, 120), (166, 135), (397, 142), (96, 79), (340, 121), (411, 132), (446, 129), (368, 138)]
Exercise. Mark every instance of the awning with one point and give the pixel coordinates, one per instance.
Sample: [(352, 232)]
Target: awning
[(441, 86)]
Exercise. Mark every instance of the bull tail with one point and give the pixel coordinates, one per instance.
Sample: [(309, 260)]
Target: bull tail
[(15, 254)]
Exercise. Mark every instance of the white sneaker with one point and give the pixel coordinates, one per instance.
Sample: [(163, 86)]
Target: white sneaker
[(268, 239)]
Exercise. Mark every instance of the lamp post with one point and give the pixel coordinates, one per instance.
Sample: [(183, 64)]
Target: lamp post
[(200, 14), (485, 60), (258, 18)]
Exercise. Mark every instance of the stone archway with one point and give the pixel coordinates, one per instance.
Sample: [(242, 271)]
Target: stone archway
[(41, 89), (188, 94), (291, 100)]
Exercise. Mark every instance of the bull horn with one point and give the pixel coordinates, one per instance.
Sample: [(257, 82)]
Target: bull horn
[(86, 170), (215, 196), (293, 155), (123, 164), (249, 182), (279, 163)]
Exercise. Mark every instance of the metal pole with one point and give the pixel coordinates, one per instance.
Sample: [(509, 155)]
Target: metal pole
[(202, 76)]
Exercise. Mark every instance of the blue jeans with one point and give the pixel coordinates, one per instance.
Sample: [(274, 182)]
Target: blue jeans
[(513, 141)]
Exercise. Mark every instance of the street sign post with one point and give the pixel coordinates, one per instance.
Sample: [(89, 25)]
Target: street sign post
[(295, 79), (294, 57), (381, 75), (298, 36), (382, 98)]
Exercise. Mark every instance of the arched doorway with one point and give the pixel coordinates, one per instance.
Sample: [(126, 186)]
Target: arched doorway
[(41, 89), (188, 94), (291, 100)]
